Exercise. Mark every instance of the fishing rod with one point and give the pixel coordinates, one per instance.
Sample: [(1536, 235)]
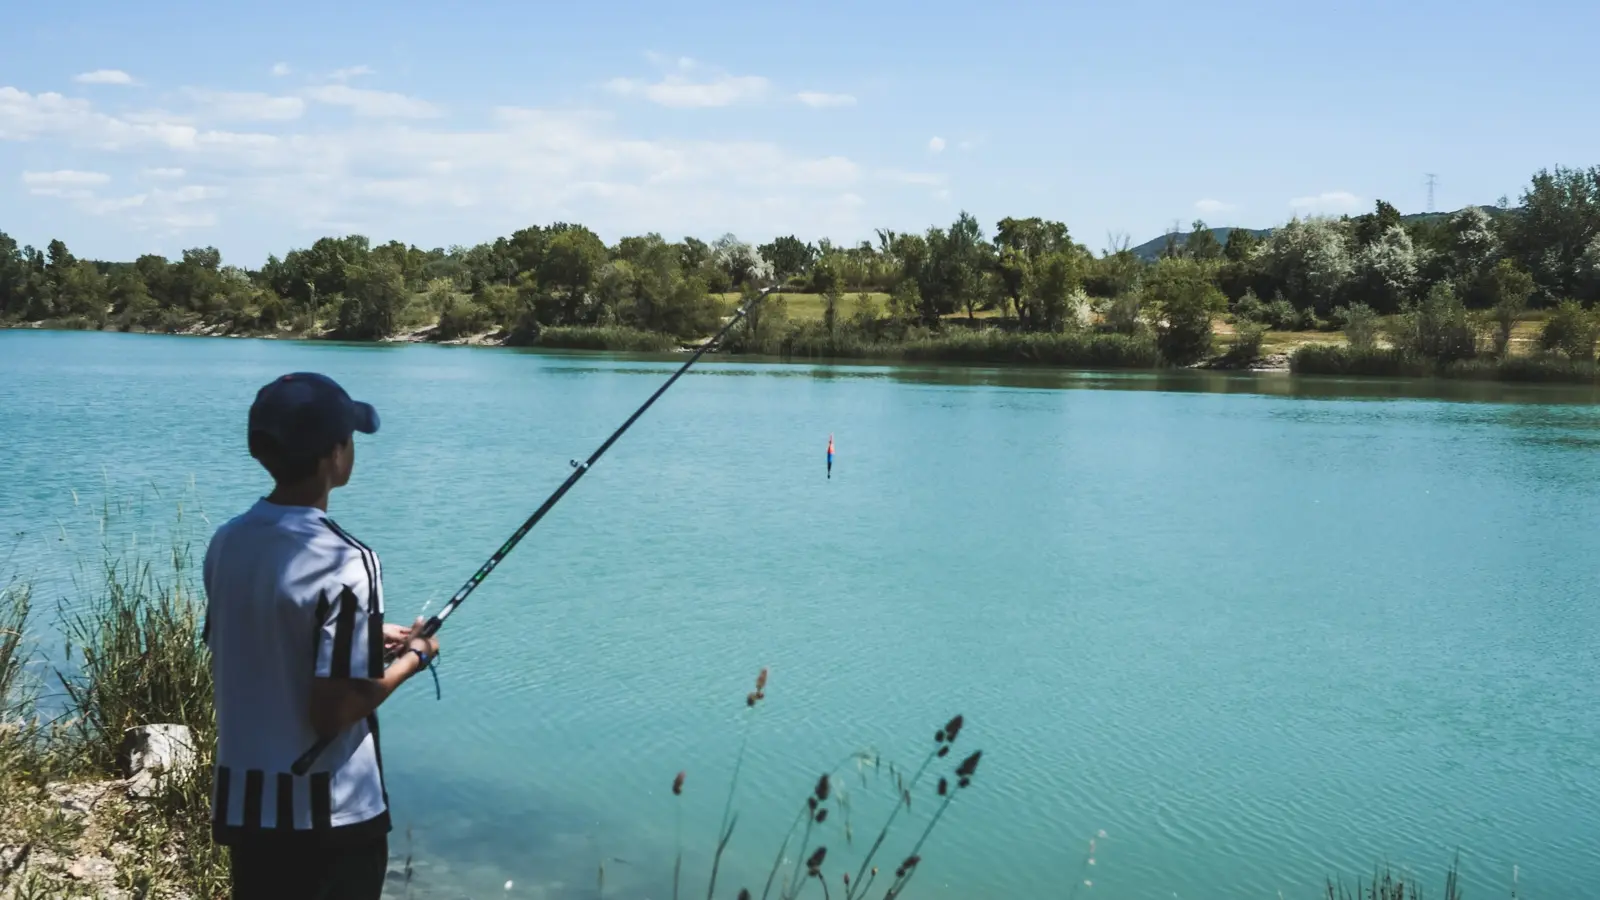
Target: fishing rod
[(303, 764)]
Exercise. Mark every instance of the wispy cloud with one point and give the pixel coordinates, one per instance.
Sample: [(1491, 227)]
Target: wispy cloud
[(104, 76), (820, 100), (395, 170), (245, 106), (1327, 202), (936, 144), (1212, 207), (688, 86), (374, 104), (65, 178), (280, 69), (350, 72)]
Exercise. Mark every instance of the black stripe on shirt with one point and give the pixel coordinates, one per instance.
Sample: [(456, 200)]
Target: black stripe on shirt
[(285, 802), (344, 633), (369, 562), (321, 801), (323, 608), (254, 783), (220, 805)]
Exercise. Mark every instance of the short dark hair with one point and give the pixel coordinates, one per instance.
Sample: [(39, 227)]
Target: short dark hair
[(284, 467)]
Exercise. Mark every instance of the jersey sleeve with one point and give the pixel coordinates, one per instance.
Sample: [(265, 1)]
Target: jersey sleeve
[(350, 636)]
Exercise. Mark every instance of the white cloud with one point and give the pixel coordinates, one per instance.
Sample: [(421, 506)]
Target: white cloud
[(349, 73), (1327, 202), (104, 76), (1212, 207), (374, 104), (65, 178), (280, 69), (818, 100), (681, 89), (403, 174), (247, 106), (936, 144), (941, 195)]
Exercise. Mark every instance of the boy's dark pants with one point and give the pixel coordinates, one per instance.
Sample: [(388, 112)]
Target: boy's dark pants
[(268, 869)]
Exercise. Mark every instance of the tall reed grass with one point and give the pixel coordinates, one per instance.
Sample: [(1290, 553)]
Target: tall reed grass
[(615, 338), (1549, 368)]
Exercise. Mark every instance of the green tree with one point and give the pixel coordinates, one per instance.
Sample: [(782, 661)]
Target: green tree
[(787, 256), (693, 254), (13, 277), (735, 258), (1202, 243), (1053, 282), (1384, 271), (1309, 261), (571, 263), (1374, 226), (1559, 219), (377, 292), (1185, 300)]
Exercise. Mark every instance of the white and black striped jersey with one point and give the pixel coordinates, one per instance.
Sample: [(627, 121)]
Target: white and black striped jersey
[(291, 597)]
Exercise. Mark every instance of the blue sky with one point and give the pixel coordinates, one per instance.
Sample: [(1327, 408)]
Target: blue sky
[(129, 128)]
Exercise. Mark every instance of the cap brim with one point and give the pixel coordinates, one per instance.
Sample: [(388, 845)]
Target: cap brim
[(366, 417)]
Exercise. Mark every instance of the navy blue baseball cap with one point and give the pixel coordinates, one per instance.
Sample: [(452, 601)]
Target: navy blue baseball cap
[(306, 414)]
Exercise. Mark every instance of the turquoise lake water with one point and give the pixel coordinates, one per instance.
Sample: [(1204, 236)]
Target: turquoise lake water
[(1258, 631)]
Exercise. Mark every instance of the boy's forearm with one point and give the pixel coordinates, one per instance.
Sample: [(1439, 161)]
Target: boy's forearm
[(336, 705)]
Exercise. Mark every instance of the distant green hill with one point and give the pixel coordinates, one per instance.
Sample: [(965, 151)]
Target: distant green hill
[(1151, 250)]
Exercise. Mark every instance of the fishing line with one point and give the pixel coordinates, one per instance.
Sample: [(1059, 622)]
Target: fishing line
[(304, 763)]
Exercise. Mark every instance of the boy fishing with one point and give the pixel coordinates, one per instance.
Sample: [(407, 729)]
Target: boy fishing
[(295, 625)]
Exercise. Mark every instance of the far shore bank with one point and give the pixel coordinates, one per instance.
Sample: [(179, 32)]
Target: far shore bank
[(955, 347)]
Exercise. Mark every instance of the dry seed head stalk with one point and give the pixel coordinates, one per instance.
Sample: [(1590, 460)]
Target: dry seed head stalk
[(761, 680), (822, 816), (814, 864), (677, 785), (822, 788), (744, 894), (944, 787)]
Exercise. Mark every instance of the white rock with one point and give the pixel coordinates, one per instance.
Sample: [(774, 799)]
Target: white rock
[(152, 751)]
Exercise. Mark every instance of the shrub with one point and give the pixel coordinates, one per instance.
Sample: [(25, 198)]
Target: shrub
[(1250, 308), (607, 337), (1282, 315), (1571, 330), (1330, 359), (1125, 314), (1360, 326), (1246, 346), (1438, 328), (461, 317)]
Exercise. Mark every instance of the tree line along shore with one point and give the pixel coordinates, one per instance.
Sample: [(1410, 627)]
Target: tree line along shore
[(1504, 291)]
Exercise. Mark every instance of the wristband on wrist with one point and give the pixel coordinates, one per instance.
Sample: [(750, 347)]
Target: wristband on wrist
[(421, 654)]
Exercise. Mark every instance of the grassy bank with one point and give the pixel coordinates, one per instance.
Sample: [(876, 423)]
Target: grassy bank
[(69, 824)]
